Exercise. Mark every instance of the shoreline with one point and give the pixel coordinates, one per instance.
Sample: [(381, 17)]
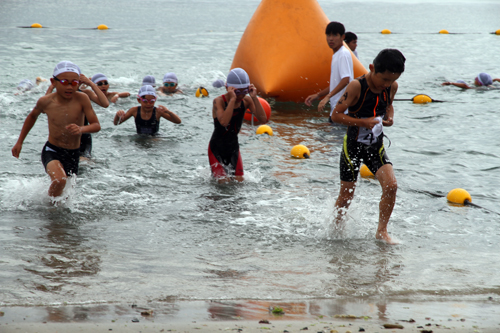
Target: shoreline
[(323, 315)]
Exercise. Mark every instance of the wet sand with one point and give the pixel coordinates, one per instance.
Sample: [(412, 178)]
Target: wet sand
[(257, 316)]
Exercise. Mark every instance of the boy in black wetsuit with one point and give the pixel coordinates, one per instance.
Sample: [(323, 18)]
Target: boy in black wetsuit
[(369, 100), (147, 116), (228, 112)]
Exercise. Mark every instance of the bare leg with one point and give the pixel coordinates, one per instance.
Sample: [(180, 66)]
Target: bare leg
[(385, 176), (58, 177), (344, 199)]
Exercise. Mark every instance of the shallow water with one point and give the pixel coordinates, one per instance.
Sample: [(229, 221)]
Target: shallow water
[(144, 221)]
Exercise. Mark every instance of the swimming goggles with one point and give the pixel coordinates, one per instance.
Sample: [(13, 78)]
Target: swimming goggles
[(65, 82), (170, 84), (241, 91), (145, 100), (102, 83)]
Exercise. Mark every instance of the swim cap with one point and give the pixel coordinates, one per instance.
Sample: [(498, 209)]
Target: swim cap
[(99, 77), (149, 80), (170, 77), (238, 78), (146, 90), (65, 67), (484, 79), (218, 83), (25, 84)]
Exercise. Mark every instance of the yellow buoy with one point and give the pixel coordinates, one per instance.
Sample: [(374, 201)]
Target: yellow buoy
[(36, 25), (386, 32), (444, 31), (459, 196), (300, 151), (201, 92), (102, 27), (421, 99), (365, 172), (497, 32), (264, 129)]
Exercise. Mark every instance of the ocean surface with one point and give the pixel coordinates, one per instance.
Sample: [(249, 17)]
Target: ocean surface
[(144, 222)]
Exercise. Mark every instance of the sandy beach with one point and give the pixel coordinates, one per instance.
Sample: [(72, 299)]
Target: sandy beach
[(256, 316)]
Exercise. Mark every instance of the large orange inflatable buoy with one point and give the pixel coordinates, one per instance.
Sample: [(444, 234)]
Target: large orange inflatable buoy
[(284, 50)]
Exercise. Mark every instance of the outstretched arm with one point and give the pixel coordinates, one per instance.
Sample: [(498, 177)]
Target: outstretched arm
[(121, 116), (27, 126), (167, 114), (460, 85), (342, 84), (119, 95)]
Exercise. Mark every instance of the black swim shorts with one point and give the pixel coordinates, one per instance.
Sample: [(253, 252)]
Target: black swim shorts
[(69, 158)]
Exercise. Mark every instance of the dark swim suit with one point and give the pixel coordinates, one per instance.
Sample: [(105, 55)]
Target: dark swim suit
[(86, 142), (150, 126), (224, 150), (69, 158), (360, 144)]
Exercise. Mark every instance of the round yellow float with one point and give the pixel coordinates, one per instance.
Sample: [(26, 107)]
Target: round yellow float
[(459, 196), (201, 92), (497, 32), (36, 25), (421, 99), (102, 27), (264, 129), (444, 32), (300, 151), (386, 32), (365, 172)]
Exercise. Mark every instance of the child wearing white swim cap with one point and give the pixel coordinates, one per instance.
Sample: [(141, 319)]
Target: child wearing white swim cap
[(228, 112), (147, 116), (170, 83), (103, 83)]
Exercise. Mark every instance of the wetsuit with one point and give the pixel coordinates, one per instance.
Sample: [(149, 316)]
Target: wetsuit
[(86, 142), (360, 143), (224, 149), (150, 126), (69, 158)]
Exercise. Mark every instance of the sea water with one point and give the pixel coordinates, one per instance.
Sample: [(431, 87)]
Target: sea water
[(145, 222)]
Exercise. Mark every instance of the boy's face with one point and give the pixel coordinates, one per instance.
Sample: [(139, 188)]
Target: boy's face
[(103, 86), (147, 102), (170, 87), (66, 84), (353, 44), (335, 41), (383, 80)]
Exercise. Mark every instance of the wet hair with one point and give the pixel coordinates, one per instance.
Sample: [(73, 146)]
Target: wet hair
[(349, 37), (334, 28), (391, 60)]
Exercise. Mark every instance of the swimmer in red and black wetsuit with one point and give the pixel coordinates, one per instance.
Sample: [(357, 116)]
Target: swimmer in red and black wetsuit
[(147, 116), (228, 111), (369, 100)]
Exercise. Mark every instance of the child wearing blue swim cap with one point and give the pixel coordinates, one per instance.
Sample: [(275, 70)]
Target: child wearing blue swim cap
[(169, 86), (481, 80)]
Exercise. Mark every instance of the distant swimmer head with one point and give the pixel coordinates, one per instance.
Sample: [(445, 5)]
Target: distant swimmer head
[(99, 77), (25, 85), (65, 67), (237, 78), (484, 79), (146, 90), (149, 80), (170, 77), (218, 83)]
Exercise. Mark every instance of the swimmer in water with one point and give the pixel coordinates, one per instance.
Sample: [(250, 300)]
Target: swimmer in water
[(147, 116), (170, 83), (102, 82), (66, 109), (149, 80), (481, 80), (26, 85), (228, 112)]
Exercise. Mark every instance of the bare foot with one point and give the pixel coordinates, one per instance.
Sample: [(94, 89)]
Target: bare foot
[(383, 235)]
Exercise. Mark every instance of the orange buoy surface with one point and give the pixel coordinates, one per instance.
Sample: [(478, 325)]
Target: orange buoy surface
[(284, 50), (265, 106)]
